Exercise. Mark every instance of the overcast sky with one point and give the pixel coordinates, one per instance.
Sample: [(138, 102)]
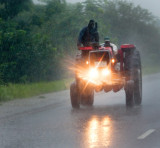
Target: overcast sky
[(152, 5)]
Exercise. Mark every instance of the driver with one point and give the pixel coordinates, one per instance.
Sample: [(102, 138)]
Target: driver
[(88, 34)]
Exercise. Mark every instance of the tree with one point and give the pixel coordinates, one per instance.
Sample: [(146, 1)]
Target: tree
[(10, 8)]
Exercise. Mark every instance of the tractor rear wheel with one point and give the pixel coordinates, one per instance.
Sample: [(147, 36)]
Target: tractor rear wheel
[(138, 88), (129, 98)]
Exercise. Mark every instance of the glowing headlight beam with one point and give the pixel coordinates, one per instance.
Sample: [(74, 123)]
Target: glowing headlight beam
[(93, 73), (105, 72)]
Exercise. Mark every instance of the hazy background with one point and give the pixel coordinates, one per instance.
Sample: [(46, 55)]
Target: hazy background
[(152, 5)]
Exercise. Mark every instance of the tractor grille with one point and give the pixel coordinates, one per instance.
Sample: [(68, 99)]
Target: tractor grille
[(102, 57)]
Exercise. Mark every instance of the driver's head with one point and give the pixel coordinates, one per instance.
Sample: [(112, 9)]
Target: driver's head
[(107, 40), (91, 24)]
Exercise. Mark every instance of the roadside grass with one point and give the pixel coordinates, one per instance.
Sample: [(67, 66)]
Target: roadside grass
[(146, 70), (15, 91)]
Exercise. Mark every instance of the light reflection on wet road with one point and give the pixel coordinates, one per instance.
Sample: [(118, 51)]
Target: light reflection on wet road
[(98, 131)]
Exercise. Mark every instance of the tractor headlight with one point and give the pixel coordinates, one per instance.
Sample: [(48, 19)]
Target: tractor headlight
[(93, 73), (106, 72)]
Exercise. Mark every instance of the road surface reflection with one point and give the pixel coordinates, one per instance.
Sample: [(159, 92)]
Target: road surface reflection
[(98, 132)]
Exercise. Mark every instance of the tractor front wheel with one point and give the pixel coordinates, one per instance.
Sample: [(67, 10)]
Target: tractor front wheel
[(74, 95)]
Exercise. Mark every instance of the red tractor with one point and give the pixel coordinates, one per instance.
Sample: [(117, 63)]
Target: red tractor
[(97, 68)]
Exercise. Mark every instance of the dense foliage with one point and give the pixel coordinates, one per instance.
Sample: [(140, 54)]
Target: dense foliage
[(35, 39)]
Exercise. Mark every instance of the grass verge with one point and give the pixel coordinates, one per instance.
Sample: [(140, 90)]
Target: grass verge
[(14, 91), (150, 69)]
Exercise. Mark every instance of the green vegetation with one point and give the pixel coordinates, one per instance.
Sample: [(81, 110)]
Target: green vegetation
[(150, 69), (14, 91), (37, 40)]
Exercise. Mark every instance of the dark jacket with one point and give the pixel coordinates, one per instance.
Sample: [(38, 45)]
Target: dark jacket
[(87, 35)]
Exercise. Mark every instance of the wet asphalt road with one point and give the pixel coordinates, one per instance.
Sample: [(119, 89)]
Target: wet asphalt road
[(50, 122)]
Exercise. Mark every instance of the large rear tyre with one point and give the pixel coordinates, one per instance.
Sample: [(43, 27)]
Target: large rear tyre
[(74, 95), (138, 88), (129, 90), (135, 91), (129, 99)]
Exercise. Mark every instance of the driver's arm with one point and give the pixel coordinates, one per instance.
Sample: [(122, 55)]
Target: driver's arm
[(81, 34)]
